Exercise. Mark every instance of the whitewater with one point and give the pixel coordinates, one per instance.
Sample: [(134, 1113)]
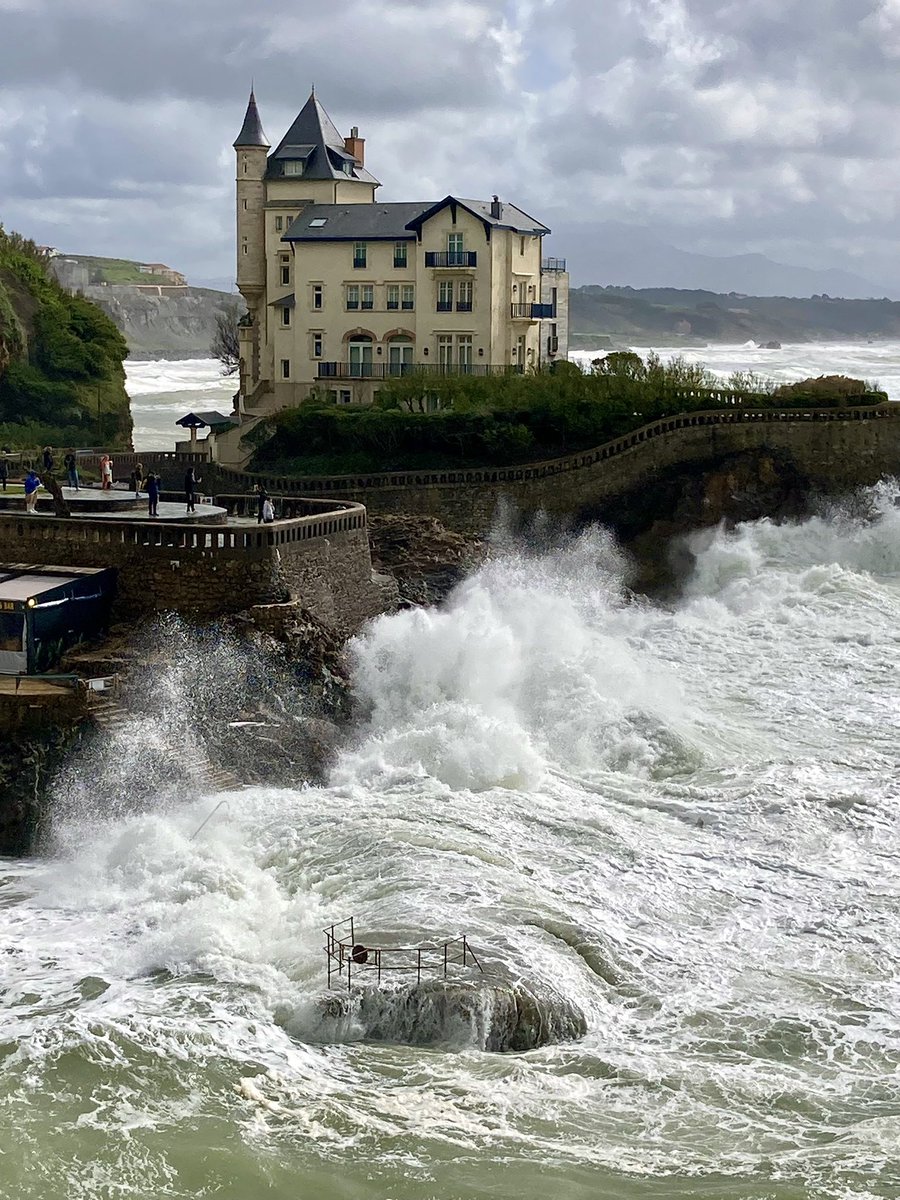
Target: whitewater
[(680, 818), (162, 391)]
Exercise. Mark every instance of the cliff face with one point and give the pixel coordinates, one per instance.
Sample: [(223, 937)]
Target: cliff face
[(61, 375), (163, 322)]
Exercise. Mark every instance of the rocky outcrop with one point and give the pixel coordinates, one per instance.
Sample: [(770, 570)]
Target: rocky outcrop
[(485, 1014), (651, 520), (426, 559)]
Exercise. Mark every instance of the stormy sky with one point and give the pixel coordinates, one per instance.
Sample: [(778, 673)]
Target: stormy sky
[(720, 126)]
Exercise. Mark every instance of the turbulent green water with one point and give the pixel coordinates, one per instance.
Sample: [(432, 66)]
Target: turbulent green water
[(682, 819)]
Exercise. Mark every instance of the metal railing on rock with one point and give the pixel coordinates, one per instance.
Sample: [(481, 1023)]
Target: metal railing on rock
[(346, 957)]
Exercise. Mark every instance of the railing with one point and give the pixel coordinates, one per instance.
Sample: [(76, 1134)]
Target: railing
[(464, 306), (352, 484), (444, 306), (553, 264), (336, 517), (532, 312), (388, 370), (345, 957), (451, 258), (130, 458)]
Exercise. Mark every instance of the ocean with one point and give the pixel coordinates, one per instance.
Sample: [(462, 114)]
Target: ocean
[(679, 818), (163, 391)]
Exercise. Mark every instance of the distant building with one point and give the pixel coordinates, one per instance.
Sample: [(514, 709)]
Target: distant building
[(343, 291), (161, 271)]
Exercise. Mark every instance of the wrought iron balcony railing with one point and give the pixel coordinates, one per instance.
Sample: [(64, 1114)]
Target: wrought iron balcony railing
[(451, 258), (391, 370), (532, 312)]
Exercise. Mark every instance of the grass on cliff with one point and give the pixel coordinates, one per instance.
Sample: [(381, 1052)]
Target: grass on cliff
[(62, 379), (423, 422)]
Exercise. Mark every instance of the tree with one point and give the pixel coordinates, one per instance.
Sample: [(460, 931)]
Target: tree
[(225, 345)]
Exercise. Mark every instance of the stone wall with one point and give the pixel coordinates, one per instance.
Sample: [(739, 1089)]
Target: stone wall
[(835, 449), (322, 561)]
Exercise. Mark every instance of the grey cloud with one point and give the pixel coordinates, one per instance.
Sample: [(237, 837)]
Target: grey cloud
[(722, 125)]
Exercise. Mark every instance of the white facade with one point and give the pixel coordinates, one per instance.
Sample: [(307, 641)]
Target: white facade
[(343, 291)]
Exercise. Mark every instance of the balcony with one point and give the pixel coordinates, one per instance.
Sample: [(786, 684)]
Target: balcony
[(532, 312), (382, 370), (445, 306), (451, 258), (553, 264), (464, 306)]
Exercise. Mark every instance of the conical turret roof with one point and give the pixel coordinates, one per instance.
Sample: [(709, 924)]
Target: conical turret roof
[(252, 131), (314, 140)]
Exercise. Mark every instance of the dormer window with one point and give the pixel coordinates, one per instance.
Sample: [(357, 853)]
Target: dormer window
[(293, 167), (347, 167)]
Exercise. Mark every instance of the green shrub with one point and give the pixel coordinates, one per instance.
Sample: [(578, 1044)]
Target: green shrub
[(503, 419)]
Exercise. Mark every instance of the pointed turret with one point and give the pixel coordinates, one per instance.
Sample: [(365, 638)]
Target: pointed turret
[(314, 148), (251, 131)]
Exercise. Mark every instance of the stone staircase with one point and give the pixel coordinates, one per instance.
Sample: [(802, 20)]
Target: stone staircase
[(106, 713)]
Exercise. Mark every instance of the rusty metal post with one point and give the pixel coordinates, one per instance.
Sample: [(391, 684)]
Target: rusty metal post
[(445, 959), (464, 949)]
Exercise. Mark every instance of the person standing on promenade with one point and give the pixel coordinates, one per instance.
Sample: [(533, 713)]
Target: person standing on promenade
[(48, 458), (261, 497), (190, 489), (138, 478), (32, 483), (153, 489), (106, 472), (4, 470), (70, 462)]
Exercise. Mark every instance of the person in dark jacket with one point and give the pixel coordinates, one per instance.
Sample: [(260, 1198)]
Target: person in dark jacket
[(190, 489), (261, 497), (70, 462), (4, 470), (48, 459), (153, 490)]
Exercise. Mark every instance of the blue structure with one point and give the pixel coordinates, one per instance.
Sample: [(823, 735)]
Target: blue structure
[(46, 610)]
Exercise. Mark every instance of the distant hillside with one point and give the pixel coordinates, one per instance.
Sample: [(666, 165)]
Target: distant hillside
[(77, 271), (61, 376), (630, 255), (623, 315)]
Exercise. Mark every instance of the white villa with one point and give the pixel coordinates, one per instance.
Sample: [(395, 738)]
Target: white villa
[(343, 291)]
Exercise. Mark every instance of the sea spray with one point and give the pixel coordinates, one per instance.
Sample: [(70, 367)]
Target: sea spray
[(688, 831)]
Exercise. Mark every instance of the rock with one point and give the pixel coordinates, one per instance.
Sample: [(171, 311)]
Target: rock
[(495, 1016), (425, 557)]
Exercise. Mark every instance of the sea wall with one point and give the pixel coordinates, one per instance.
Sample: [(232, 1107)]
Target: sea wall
[(323, 561), (833, 449)]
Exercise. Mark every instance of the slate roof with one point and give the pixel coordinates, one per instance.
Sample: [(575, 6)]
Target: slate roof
[(510, 217), (252, 131), (200, 419), (355, 222), (396, 222), (314, 139)]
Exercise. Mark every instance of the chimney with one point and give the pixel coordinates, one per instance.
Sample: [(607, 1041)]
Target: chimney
[(356, 146), (496, 208)]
